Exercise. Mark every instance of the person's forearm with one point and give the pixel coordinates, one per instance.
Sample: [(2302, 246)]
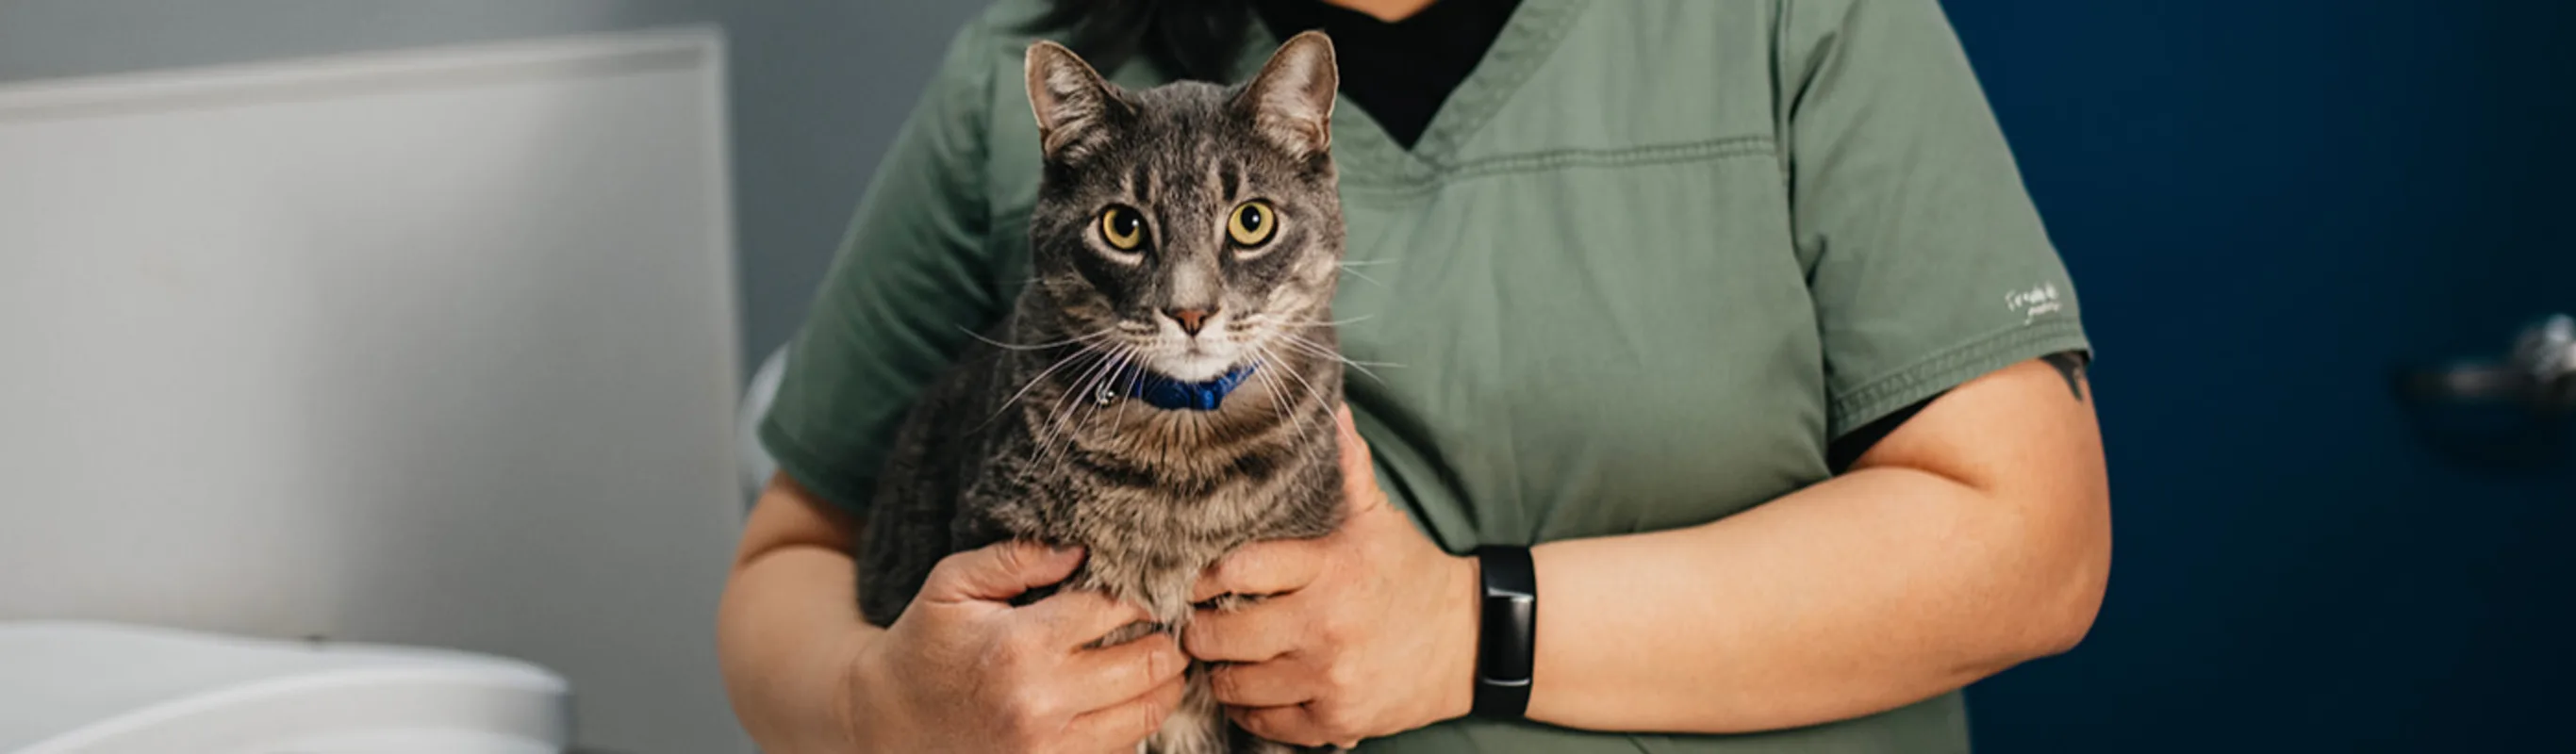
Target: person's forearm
[(1860, 594), (789, 629), (786, 632)]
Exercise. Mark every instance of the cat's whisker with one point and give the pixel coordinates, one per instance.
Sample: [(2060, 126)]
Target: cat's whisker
[(1118, 423), (1279, 396), (1318, 350), (1121, 376), (1107, 381), (1115, 364), (1300, 419), (1007, 403), (1319, 323), (1071, 390), (1071, 401), (1345, 360), (1290, 336), (1311, 390), (1288, 403), (1087, 337), (1270, 385), (1080, 416)]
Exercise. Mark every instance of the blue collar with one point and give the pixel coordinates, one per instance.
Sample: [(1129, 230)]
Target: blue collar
[(1171, 394)]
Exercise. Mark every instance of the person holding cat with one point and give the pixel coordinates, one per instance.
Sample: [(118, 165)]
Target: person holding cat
[(1713, 387)]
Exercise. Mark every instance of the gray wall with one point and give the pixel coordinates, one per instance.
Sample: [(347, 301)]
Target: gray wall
[(53, 38), (819, 87)]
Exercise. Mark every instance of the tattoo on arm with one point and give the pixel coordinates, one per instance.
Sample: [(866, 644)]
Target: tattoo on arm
[(2070, 365)]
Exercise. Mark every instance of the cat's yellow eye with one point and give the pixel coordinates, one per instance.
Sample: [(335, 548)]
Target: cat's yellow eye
[(1123, 227), (1253, 223)]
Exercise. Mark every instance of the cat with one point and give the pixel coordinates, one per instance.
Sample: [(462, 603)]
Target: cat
[(1162, 391)]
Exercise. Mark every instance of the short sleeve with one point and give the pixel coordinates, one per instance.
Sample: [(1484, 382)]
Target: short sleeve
[(1927, 263), (908, 285)]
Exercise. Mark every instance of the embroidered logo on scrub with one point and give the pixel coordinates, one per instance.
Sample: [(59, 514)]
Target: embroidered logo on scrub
[(2038, 300)]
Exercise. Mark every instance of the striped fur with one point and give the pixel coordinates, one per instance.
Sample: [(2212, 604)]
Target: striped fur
[(1014, 443)]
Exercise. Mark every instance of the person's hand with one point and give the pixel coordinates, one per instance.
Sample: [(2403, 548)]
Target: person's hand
[(1365, 632), (964, 671)]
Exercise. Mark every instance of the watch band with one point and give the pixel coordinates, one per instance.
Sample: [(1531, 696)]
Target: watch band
[(1507, 633)]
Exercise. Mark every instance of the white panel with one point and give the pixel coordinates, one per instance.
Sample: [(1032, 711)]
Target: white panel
[(431, 348)]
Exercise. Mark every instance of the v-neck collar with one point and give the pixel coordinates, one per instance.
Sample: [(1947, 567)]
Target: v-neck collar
[(1368, 154)]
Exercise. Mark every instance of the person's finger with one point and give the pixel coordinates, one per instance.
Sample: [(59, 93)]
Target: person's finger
[(1119, 727), (1359, 475), (1292, 724), (1355, 450), (1261, 568), (998, 572), (1255, 634), (1107, 676), (1262, 684), (1075, 617)]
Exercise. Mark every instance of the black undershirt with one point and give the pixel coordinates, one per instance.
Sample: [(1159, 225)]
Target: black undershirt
[(1401, 72)]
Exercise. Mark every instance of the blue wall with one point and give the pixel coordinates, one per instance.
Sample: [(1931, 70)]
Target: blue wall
[(2268, 207)]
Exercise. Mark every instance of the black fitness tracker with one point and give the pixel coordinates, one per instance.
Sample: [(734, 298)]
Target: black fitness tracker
[(1507, 634)]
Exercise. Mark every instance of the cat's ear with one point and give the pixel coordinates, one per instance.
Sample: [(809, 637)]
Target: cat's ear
[(1071, 101), (1292, 98)]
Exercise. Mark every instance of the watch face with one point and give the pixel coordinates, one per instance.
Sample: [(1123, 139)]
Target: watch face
[(1510, 625)]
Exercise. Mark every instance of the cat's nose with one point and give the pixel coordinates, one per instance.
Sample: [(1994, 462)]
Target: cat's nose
[(1190, 319)]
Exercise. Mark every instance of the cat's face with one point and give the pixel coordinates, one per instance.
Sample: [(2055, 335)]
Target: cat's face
[(1188, 228)]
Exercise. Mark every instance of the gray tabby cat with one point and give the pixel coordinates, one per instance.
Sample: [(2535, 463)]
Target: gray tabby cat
[(1163, 390)]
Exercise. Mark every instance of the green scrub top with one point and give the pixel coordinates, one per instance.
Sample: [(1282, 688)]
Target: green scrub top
[(1647, 260)]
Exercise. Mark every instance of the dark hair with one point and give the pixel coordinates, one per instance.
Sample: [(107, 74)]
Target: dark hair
[(1192, 39)]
